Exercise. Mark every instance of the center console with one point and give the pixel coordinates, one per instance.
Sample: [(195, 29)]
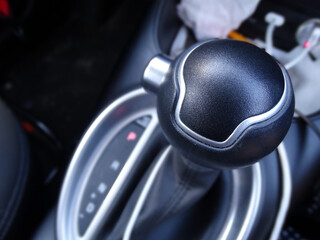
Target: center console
[(99, 187), (125, 180), (189, 156)]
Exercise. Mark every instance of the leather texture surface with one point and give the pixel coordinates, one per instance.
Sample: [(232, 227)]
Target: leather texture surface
[(255, 142), (188, 201), (180, 184), (227, 82)]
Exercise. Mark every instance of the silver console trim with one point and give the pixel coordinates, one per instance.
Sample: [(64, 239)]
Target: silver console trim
[(105, 206), (144, 193), (241, 127), (247, 182), (254, 202), (251, 175), (286, 192), (67, 220)]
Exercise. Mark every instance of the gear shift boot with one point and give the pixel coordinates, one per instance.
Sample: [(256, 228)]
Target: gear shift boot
[(179, 185)]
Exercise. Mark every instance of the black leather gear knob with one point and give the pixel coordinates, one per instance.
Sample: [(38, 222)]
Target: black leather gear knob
[(222, 103)]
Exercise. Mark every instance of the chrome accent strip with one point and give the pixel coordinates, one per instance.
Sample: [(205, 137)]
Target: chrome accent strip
[(286, 192), (105, 206), (144, 193), (255, 202), (242, 126), (74, 183), (236, 226), (233, 209), (155, 73)]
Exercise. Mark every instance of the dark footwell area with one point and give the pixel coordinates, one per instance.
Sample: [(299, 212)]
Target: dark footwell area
[(59, 76), (56, 65)]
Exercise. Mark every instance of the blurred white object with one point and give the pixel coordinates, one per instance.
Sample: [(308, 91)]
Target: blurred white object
[(274, 20), (303, 34), (308, 36), (305, 78), (215, 18)]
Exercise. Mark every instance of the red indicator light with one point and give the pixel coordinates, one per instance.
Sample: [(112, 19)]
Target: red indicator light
[(4, 8), (28, 127), (131, 136), (306, 44)]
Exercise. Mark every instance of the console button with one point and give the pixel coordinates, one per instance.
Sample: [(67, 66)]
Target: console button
[(144, 121)]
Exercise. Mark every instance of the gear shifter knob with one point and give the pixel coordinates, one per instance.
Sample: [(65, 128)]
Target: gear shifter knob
[(222, 103)]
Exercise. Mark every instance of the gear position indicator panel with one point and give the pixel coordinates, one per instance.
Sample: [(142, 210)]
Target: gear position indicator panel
[(107, 169)]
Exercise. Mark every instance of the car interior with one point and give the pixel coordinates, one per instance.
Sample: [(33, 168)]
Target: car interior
[(164, 119)]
